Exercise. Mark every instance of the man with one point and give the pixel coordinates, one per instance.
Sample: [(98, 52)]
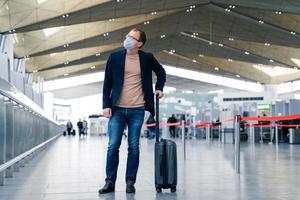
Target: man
[(69, 127), (150, 129), (85, 126), (80, 127), (127, 93), (172, 128)]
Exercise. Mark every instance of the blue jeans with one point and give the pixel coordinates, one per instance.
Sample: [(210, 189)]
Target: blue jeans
[(134, 118)]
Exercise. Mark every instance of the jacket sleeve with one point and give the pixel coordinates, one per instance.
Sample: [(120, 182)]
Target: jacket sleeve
[(160, 74), (107, 84)]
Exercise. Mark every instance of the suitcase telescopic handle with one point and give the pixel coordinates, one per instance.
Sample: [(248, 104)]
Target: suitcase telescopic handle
[(157, 118)]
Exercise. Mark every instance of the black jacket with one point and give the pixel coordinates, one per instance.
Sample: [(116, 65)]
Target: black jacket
[(114, 78), (80, 124)]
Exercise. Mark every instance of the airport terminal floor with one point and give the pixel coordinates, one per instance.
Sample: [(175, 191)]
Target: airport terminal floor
[(73, 168)]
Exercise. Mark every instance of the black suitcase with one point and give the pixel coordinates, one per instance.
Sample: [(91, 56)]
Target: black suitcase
[(64, 133), (73, 132), (165, 160)]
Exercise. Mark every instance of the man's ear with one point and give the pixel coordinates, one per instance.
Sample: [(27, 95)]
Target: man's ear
[(140, 44)]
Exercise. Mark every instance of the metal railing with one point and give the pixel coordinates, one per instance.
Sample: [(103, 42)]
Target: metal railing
[(23, 131)]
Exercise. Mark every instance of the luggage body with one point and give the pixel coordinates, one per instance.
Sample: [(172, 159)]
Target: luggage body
[(73, 132), (64, 133), (165, 165), (165, 160)]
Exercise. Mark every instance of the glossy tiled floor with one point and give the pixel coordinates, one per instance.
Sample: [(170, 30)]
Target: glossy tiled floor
[(73, 168)]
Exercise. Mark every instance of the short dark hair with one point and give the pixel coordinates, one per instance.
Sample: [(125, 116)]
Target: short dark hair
[(143, 37)]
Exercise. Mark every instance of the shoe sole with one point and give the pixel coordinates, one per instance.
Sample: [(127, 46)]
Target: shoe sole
[(106, 192)]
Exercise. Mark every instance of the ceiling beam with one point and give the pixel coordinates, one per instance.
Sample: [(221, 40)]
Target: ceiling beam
[(152, 45), (235, 13), (247, 56), (110, 10), (180, 20)]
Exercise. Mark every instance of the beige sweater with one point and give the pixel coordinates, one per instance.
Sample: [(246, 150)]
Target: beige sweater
[(132, 95)]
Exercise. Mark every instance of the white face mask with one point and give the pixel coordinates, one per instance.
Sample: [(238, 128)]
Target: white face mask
[(129, 43)]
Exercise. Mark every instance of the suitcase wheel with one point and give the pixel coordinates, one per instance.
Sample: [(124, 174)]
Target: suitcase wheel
[(173, 189), (158, 190)]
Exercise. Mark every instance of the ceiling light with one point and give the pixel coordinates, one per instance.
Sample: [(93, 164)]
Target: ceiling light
[(217, 68), (26, 58), (172, 51), (111, 20), (261, 21), (66, 63), (267, 44), (220, 45), (66, 45), (194, 61), (247, 53), (231, 6), (210, 43), (278, 12), (105, 34), (52, 54), (238, 76), (35, 71), (97, 54), (153, 13), (230, 60), (293, 33), (201, 55), (162, 36), (227, 9), (271, 60), (66, 15), (93, 67), (231, 39), (66, 74), (190, 9), (146, 22)]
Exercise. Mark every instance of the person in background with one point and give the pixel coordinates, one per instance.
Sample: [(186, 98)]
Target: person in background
[(85, 126), (69, 127), (172, 128), (80, 127), (150, 129)]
